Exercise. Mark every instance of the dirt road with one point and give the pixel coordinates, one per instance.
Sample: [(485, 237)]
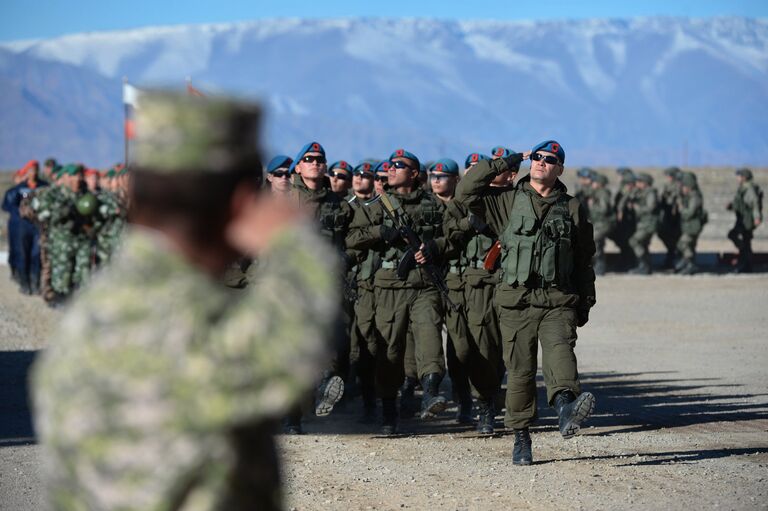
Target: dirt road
[(677, 365)]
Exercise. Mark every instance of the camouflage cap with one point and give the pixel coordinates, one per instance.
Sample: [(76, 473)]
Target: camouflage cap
[(179, 133)]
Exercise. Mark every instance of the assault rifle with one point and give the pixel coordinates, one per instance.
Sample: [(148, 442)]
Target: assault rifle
[(408, 261)]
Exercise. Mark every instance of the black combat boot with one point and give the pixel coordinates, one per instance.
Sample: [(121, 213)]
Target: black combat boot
[(464, 414), (573, 410), (486, 417), (689, 268), (389, 414), (432, 402), (521, 452), (642, 268), (599, 266), (34, 284), (407, 400), (24, 286), (292, 423), (329, 392)]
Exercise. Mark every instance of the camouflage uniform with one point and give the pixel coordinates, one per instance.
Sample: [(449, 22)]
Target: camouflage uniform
[(693, 216), (747, 205), (645, 206), (160, 387), (56, 208), (603, 219), (669, 219)]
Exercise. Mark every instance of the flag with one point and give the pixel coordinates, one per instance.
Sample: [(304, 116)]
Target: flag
[(130, 101), (193, 91)]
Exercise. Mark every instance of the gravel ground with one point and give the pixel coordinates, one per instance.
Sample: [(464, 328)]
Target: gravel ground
[(677, 365)]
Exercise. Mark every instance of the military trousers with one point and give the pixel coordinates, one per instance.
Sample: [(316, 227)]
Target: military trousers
[(742, 238), (669, 234), (397, 309), (363, 336), (62, 249), (600, 233), (686, 245), (476, 353), (640, 240), (521, 331), (409, 363)]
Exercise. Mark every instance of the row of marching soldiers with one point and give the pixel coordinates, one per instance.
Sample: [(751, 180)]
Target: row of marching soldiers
[(395, 313), (64, 222), (675, 214)]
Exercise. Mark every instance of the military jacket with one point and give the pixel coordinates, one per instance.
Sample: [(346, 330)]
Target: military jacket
[(472, 246), (156, 388), (645, 204), (332, 212), (601, 212), (692, 213), (747, 205)]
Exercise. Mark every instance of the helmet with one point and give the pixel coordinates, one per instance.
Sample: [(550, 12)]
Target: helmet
[(86, 204)]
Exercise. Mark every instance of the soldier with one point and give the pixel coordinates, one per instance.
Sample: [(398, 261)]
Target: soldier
[(381, 176), (363, 335), (23, 235), (603, 219), (644, 203), (340, 176), (473, 159), (173, 382), (311, 190), (413, 301), (279, 175), (584, 185), (546, 289), (693, 216), (748, 207), (669, 221), (49, 167), (625, 219)]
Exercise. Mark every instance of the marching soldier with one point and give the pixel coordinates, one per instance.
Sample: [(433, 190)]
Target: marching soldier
[(546, 289), (748, 207), (693, 217), (279, 174), (405, 298), (644, 203), (603, 219), (625, 218), (669, 221), (340, 176)]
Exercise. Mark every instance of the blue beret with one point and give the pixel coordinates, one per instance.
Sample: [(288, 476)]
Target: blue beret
[(474, 158), (341, 164), (278, 162), (551, 146), (445, 166), (422, 168), (402, 153), (382, 166), (500, 152), (364, 168), (311, 147)]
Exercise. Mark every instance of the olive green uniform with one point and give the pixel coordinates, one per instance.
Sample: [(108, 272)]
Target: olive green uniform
[(692, 220), (645, 204), (547, 283), (746, 205), (669, 221), (476, 354), (603, 219), (402, 304), (625, 223)]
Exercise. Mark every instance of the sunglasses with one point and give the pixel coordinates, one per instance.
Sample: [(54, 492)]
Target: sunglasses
[(316, 159), (552, 160), (281, 174), (400, 165), (439, 177), (381, 178), (364, 175), (340, 175)]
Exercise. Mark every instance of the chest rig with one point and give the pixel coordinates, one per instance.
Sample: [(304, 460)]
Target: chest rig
[(425, 218)]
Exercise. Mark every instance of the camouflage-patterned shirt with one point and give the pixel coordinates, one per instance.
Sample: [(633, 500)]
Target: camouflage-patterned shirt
[(157, 369)]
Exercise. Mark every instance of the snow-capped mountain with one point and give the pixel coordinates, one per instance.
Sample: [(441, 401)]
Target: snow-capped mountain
[(640, 91)]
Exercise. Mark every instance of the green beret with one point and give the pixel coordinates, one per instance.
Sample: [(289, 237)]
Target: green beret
[(72, 169), (179, 133)]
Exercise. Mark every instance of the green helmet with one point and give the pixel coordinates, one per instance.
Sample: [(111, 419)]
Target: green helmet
[(645, 178), (601, 179), (86, 204), (745, 172), (688, 179)]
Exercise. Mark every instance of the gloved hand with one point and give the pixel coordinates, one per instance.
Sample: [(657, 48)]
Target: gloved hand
[(476, 223), (427, 253), (388, 234)]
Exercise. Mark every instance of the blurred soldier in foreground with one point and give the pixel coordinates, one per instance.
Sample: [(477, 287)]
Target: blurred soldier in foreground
[(547, 286), (161, 387), (748, 207)]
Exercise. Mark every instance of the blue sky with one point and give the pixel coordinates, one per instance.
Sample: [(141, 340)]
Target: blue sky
[(33, 19)]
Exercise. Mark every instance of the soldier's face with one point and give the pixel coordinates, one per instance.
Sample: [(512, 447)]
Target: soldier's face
[(92, 181), (442, 184), (340, 181), (312, 166), (402, 172), (642, 185), (380, 180), (543, 172), (281, 182), (362, 183)]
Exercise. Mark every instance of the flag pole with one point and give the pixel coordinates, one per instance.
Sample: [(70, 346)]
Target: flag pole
[(125, 121)]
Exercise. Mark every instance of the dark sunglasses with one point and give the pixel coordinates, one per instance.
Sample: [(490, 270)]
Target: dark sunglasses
[(381, 178), (400, 165), (552, 160), (317, 159), (340, 175), (281, 174), (364, 175), (439, 177)]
